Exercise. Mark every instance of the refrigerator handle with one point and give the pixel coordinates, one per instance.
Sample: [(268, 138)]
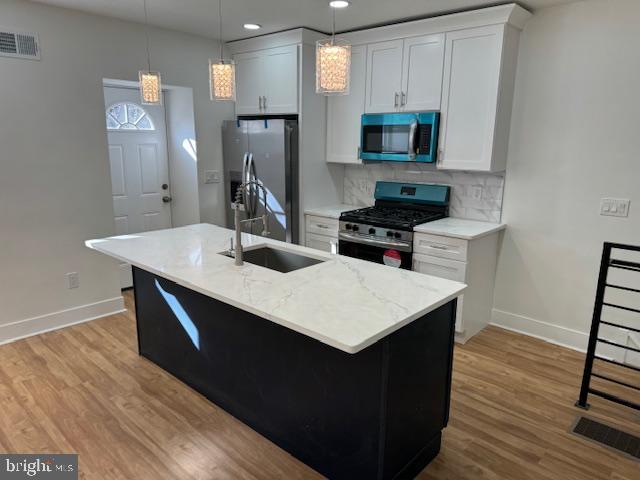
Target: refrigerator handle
[(253, 190), (290, 181), (244, 178)]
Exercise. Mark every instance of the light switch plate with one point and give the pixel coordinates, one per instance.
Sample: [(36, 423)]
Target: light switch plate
[(73, 280), (211, 176), (615, 207)]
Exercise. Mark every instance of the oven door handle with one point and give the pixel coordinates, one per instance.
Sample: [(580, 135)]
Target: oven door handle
[(402, 246)]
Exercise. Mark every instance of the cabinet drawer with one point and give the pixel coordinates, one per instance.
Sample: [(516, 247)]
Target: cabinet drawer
[(440, 267), (322, 225), (322, 242), (443, 268), (439, 246)]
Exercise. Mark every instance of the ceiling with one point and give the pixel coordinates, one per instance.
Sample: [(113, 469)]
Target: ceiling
[(200, 17)]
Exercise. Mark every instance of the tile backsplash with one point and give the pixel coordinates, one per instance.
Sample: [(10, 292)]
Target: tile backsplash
[(476, 196)]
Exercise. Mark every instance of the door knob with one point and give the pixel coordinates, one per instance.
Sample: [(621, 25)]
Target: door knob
[(167, 199), (165, 186)]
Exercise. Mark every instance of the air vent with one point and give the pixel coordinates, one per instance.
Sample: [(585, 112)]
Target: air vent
[(19, 44), (610, 437)]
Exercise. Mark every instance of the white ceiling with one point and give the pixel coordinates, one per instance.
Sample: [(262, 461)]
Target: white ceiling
[(200, 17)]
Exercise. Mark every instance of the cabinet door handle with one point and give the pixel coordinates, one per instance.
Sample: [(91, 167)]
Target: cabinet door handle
[(319, 225), (264, 102), (395, 100), (403, 99), (259, 103)]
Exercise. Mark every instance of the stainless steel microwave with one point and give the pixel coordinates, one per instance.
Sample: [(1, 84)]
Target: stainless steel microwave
[(400, 137)]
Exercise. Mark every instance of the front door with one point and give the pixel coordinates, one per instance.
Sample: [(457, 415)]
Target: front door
[(139, 166)]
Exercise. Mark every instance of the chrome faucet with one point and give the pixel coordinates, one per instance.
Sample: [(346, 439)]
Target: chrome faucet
[(238, 206)]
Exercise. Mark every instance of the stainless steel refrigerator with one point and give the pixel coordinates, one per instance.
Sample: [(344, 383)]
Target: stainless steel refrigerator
[(266, 151)]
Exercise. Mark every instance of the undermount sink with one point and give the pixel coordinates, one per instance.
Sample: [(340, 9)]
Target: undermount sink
[(277, 259)]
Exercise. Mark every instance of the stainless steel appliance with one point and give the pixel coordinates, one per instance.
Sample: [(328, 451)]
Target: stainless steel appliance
[(384, 233), (400, 137), (265, 152)]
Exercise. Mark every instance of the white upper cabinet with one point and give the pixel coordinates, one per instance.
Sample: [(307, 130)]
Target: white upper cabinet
[(476, 98), (267, 81), (248, 83), (422, 66), (384, 76), (461, 65), (405, 75), (344, 112), (281, 80)]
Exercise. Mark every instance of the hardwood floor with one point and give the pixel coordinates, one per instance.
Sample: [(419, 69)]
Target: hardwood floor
[(84, 389)]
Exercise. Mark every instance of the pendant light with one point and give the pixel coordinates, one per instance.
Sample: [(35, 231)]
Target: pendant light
[(333, 63), (150, 83), (222, 72)]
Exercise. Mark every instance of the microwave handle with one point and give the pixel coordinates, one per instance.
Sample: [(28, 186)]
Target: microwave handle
[(413, 130)]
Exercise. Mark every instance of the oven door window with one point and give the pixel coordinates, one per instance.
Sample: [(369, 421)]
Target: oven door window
[(385, 138), (386, 256)]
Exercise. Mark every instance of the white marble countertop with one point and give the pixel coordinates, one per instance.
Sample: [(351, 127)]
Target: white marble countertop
[(343, 302), (459, 228), (331, 211)]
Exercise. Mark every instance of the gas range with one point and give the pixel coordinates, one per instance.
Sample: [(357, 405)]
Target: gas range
[(384, 233)]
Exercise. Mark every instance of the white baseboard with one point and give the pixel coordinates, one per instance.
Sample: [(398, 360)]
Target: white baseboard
[(565, 337), (64, 318)]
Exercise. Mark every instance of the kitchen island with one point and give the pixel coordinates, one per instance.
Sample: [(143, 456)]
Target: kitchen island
[(345, 364)]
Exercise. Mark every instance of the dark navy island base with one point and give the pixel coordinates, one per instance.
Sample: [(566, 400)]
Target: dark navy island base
[(377, 414)]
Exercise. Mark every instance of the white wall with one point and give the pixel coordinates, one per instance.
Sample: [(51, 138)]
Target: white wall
[(574, 140), (321, 183), (183, 164), (54, 170)]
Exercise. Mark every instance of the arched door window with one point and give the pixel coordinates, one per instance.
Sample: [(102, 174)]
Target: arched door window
[(128, 116)]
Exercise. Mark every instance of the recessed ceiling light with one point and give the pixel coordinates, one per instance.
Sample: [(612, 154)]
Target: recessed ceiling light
[(252, 26), (339, 3)]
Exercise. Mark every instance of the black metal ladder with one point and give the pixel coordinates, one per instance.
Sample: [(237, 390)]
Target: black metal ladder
[(606, 263)]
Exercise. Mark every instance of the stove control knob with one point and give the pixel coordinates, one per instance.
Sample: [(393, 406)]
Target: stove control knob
[(372, 231), (397, 235), (348, 226), (355, 228), (389, 233)]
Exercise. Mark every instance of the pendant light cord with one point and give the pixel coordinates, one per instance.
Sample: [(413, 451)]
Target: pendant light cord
[(146, 32), (220, 28), (333, 28)]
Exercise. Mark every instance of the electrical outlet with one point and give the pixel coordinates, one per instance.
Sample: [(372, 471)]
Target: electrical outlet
[(211, 176), (73, 280), (365, 187), (476, 192), (615, 207)]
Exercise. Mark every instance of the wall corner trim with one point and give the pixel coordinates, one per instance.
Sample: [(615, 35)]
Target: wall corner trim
[(65, 318)]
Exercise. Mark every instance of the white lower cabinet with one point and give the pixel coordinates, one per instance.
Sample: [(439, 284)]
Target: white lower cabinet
[(441, 246), (443, 268), (321, 233), (322, 225), (472, 262), (322, 242)]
